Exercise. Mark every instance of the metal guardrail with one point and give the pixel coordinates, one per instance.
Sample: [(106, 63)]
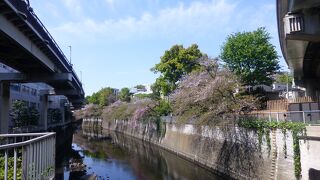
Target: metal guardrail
[(307, 117), (33, 156)]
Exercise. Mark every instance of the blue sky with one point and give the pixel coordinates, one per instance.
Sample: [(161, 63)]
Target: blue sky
[(116, 42)]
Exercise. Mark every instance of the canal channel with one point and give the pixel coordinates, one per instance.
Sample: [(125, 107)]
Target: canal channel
[(110, 155)]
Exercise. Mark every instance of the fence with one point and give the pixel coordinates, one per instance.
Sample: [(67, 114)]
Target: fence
[(27, 156), (283, 104), (277, 105), (308, 117), (303, 99)]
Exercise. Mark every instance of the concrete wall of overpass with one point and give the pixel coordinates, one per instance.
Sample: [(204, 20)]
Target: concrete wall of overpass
[(28, 47), (299, 33)]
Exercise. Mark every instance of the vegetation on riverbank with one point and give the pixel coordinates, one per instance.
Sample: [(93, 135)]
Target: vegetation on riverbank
[(11, 167), (264, 127), (23, 115), (196, 88)]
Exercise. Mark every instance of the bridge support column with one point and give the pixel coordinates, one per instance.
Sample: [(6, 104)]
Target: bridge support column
[(44, 111), (5, 106), (311, 89), (63, 114)]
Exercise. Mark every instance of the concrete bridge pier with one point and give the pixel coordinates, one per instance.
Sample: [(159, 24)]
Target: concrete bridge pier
[(5, 106), (44, 111), (312, 88)]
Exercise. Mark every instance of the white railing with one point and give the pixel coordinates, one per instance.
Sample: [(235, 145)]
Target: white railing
[(27, 156), (308, 117)]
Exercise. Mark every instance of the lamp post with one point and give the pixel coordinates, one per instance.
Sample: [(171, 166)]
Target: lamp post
[(70, 51), (81, 76), (288, 83)]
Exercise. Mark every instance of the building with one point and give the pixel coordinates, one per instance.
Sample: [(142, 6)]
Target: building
[(32, 95)]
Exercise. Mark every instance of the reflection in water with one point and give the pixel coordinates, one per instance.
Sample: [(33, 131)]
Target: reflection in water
[(111, 155)]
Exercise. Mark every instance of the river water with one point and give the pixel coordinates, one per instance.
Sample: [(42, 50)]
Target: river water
[(110, 155)]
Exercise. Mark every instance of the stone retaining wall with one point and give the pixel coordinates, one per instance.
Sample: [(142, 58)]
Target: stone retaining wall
[(230, 151)]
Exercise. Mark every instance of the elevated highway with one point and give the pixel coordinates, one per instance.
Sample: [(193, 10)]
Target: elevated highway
[(299, 33), (27, 46)]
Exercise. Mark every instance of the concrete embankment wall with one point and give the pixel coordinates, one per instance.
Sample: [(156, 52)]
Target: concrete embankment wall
[(231, 151)]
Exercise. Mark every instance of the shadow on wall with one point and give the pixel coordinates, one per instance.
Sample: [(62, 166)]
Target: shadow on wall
[(314, 174), (239, 152)]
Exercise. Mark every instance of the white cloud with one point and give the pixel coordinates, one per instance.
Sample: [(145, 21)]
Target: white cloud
[(198, 17), (73, 6), (109, 2)]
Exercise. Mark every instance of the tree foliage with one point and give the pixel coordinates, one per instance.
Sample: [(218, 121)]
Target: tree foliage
[(143, 96), (22, 115), (251, 56), (125, 95), (208, 97), (136, 111), (284, 78), (54, 115), (176, 62), (103, 97), (140, 87)]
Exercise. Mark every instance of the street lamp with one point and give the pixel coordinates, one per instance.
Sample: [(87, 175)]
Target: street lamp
[(81, 76), (288, 82), (70, 51)]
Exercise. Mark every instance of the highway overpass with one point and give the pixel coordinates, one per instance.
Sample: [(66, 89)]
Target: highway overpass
[(27, 46), (299, 33)]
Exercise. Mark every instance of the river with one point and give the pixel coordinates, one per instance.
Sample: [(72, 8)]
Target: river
[(111, 155)]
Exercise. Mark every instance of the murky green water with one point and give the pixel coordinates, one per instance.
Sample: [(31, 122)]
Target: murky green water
[(112, 155)]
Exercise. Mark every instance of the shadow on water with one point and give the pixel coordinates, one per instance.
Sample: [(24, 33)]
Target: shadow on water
[(111, 155)]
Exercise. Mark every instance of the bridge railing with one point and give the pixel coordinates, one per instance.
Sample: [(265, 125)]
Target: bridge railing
[(38, 27), (27, 156), (308, 117)]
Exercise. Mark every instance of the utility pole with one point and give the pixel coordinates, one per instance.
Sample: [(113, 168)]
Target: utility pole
[(81, 76), (288, 85), (70, 50)]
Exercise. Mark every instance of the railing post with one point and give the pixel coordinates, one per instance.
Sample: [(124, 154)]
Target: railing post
[(15, 164), (24, 161), (303, 117), (277, 116), (6, 164), (270, 116)]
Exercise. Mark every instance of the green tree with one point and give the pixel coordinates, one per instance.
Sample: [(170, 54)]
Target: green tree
[(125, 94), (156, 91), (54, 115), (103, 97), (22, 115), (251, 56), (140, 87), (87, 99), (163, 108), (162, 86), (106, 96), (284, 78), (94, 98), (176, 62)]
